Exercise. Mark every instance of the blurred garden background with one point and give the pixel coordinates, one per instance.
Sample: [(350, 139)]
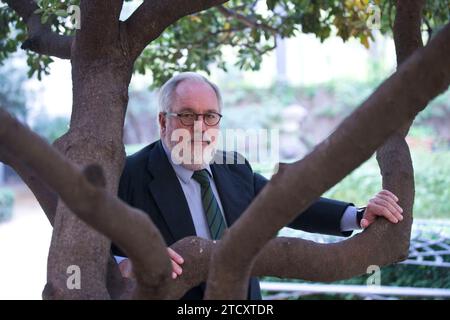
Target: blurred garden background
[(304, 89)]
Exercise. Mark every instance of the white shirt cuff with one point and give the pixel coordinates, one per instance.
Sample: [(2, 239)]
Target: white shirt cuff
[(348, 220), (119, 258)]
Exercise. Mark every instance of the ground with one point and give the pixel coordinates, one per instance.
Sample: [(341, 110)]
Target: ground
[(24, 245)]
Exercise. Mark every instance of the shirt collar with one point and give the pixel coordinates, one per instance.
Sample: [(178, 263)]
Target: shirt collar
[(182, 173)]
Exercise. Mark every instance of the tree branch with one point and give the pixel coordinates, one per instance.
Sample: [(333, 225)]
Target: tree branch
[(84, 194), (407, 33), (152, 17), (99, 26), (46, 197), (249, 22), (41, 39), (394, 157), (295, 259), (401, 97)]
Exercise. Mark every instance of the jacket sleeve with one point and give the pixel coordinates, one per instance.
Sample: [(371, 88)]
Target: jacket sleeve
[(323, 216), (124, 193)]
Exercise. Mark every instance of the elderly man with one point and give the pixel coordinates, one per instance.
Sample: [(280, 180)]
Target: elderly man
[(185, 193)]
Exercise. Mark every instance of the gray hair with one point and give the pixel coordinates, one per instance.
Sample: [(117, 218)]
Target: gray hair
[(167, 90)]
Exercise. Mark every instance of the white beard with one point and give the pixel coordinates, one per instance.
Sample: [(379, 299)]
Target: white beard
[(192, 156)]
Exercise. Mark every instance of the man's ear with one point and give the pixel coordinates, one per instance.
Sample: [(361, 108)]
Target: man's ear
[(162, 122)]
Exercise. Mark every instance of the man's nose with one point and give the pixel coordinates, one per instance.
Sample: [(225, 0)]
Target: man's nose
[(200, 124)]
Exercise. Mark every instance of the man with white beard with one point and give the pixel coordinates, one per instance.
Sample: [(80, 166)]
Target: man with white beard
[(185, 193)]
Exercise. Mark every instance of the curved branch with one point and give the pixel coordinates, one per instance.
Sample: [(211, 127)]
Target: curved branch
[(246, 20), (407, 33), (394, 157), (150, 19), (291, 258), (396, 102), (84, 194), (41, 39)]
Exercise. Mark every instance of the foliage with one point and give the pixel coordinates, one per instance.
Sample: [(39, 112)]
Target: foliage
[(13, 32), (400, 275), (439, 107), (50, 128), (12, 94), (196, 41), (6, 204), (432, 176), (409, 276), (249, 26)]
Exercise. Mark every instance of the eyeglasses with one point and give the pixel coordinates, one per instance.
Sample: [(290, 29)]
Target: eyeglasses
[(188, 118)]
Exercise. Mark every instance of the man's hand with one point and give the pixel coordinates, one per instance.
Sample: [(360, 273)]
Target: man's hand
[(384, 204), (126, 268), (176, 260)]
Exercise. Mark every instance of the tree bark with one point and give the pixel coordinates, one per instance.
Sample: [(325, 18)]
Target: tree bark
[(101, 71), (394, 157), (41, 39)]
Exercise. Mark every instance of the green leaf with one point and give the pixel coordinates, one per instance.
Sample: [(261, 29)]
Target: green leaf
[(44, 19), (271, 4), (61, 13)]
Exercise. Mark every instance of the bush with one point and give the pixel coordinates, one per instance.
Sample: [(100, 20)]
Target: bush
[(432, 178), (399, 275), (431, 174), (50, 128), (6, 204)]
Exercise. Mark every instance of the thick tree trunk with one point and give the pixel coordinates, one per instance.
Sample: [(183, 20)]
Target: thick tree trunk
[(100, 96)]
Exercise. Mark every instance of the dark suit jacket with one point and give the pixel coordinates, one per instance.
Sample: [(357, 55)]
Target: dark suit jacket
[(148, 182)]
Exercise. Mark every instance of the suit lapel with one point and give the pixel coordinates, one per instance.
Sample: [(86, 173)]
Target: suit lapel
[(168, 195), (232, 194)]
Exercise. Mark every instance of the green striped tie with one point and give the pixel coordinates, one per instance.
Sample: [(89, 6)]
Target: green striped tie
[(216, 222)]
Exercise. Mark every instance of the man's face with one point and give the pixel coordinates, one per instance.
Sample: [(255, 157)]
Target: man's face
[(196, 143)]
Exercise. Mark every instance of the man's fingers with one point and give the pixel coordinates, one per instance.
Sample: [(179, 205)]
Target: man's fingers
[(176, 260), (389, 194), (176, 268), (374, 209), (175, 256), (126, 268), (367, 219), (364, 223), (386, 204), (390, 200)]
